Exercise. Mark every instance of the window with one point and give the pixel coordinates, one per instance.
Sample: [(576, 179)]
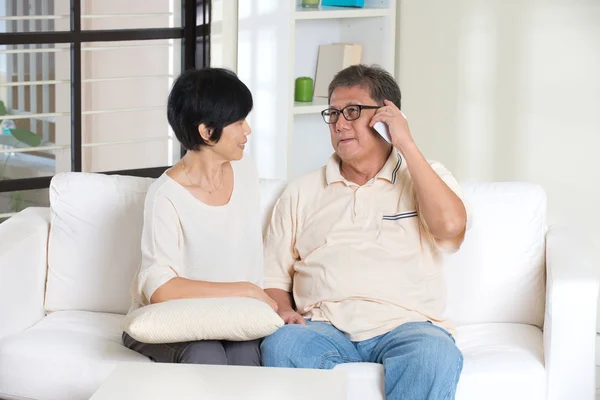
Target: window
[(83, 87)]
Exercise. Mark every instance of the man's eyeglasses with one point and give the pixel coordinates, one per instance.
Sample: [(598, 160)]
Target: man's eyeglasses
[(350, 112)]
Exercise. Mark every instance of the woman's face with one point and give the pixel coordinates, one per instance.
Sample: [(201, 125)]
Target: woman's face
[(233, 141)]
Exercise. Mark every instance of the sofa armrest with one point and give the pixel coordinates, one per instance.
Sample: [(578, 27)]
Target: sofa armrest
[(570, 320), (23, 260)]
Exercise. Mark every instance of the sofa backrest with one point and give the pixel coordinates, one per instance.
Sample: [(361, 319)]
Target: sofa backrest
[(94, 243), (498, 275), (94, 247), (270, 190)]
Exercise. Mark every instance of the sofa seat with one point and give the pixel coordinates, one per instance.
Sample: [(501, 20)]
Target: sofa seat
[(67, 355), (505, 361)]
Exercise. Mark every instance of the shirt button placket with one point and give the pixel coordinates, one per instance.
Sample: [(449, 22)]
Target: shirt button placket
[(359, 205)]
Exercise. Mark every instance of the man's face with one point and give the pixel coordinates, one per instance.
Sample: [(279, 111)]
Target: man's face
[(354, 140)]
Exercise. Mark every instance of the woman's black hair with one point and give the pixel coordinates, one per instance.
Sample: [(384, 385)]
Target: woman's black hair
[(214, 97)]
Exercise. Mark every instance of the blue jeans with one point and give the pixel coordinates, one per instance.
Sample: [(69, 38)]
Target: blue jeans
[(421, 360)]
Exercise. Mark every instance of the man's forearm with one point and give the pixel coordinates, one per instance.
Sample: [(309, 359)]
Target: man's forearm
[(442, 210), (283, 298)]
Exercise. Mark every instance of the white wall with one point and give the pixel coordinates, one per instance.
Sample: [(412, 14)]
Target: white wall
[(508, 91), (223, 34), (263, 64)]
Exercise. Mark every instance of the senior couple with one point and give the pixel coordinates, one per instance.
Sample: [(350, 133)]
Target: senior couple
[(351, 259)]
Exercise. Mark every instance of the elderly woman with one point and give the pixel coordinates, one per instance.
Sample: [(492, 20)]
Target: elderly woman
[(198, 211)]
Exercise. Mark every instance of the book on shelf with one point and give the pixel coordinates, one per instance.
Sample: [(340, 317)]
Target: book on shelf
[(332, 59)]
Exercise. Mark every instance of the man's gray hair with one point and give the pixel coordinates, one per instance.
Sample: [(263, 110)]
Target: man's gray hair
[(377, 81)]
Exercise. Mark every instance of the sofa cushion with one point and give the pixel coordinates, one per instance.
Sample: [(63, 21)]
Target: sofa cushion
[(270, 190), (70, 353), (67, 355), (94, 245), (501, 361), (499, 275)]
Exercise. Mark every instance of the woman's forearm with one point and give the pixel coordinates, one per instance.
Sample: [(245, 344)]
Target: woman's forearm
[(181, 288)]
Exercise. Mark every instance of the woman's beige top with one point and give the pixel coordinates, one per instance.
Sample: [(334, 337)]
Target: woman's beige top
[(183, 237)]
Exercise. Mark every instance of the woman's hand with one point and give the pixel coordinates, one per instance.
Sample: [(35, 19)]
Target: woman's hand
[(251, 290)]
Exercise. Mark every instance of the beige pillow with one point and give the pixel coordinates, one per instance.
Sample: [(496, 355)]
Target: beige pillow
[(184, 320)]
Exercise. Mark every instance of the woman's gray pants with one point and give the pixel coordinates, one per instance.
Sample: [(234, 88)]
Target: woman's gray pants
[(216, 352)]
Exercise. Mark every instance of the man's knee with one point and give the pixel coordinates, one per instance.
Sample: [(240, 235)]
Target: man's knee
[(279, 345), (203, 352), (440, 354), (436, 355), (292, 346), (427, 367)]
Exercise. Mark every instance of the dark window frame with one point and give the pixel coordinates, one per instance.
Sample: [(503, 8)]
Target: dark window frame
[(189, 33)]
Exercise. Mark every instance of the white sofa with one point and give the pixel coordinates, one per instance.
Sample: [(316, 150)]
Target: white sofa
[(523, 296)]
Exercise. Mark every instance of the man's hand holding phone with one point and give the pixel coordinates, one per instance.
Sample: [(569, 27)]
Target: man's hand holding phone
[(392, 125)]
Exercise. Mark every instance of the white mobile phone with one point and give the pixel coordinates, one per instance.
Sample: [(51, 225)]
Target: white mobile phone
[(383, 130)]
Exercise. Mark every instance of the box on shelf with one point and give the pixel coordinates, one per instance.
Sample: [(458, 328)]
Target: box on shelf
[(343, 3), (332, 59)]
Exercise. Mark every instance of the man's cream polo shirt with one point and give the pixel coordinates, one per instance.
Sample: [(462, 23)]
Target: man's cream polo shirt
[(358, 257)]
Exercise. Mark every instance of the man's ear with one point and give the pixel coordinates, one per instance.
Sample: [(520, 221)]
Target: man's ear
[(205, 132)]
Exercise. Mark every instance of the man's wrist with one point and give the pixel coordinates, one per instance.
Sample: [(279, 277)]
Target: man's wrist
[(405, 147)]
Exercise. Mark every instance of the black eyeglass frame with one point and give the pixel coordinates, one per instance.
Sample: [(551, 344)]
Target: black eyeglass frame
[(342, 112)]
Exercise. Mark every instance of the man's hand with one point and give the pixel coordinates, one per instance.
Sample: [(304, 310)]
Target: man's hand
[(286, 309), (396, 122), (291, 317)]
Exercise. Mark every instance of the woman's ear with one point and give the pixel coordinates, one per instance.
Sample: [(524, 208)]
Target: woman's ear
[(205, 132)]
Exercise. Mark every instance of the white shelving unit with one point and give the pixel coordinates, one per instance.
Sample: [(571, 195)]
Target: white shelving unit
[(324, 12), (280, 42), (314, 107)]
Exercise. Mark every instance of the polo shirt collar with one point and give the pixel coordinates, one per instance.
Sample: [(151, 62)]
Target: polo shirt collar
[(392, 168)]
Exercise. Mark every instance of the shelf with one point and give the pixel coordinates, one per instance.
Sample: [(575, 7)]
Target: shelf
[(315, 107), (324, 12)]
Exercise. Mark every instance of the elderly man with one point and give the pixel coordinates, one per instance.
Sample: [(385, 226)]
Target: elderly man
[(358, 244)]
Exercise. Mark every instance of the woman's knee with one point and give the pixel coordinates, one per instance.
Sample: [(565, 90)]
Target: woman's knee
[(203, 352), (243, 353)]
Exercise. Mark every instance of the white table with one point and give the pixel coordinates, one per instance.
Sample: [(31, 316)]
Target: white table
[(145, 381)]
